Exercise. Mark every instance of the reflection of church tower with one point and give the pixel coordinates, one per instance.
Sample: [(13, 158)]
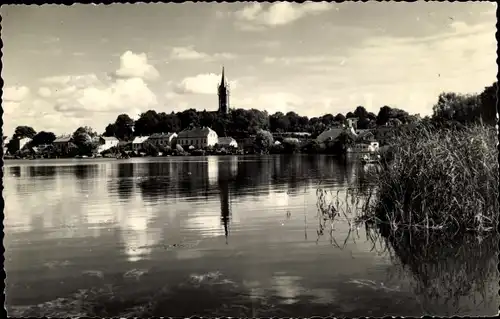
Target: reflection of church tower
[(223, 95), (225, 206)]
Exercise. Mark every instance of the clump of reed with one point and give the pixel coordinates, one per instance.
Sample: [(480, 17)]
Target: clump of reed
[(440, 179)]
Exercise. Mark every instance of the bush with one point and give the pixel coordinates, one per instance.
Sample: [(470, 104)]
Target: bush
[(444, 178)]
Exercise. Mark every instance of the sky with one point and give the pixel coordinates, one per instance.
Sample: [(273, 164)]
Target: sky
[(83, 65)]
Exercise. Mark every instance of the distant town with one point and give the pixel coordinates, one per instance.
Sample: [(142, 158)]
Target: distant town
[(240, 131)]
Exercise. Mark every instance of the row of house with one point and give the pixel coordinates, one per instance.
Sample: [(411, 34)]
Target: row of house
[(198, 137)]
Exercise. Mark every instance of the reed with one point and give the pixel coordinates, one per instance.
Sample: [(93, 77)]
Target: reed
[(440, 179)]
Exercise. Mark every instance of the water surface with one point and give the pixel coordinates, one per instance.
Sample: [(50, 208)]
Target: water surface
[(231, 235)]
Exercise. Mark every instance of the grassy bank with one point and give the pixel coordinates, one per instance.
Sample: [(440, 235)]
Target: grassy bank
[(440, 179)]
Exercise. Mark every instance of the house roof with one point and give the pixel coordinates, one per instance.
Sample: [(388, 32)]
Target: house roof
[(225, 140), (163, 135), (332, 133), (62, 140), (109, 138), (140, 139), (195, 132)]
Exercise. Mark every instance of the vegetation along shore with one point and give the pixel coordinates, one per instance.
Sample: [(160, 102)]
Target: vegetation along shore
[(439, 175)]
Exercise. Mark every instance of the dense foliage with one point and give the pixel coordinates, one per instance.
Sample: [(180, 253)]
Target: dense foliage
[(452, 110)]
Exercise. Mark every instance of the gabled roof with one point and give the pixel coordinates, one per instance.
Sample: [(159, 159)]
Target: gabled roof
[(64, 139), (140, 139), (225, 140), (109, 138), (162, 135), (332, 133), (195, 132)]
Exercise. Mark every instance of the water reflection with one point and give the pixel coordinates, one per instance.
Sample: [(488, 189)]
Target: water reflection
[(42, 171), (252, 220)]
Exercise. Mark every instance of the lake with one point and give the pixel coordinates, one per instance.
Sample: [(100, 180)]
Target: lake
[(225, 236)]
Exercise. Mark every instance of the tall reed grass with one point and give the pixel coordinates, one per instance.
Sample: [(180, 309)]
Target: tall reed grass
[(440, 179)]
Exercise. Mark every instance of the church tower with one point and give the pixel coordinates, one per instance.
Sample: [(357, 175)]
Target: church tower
[(223, 95)]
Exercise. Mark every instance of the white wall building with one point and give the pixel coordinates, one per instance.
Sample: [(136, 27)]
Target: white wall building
[(105, 143), (138, 142), (197, 137)]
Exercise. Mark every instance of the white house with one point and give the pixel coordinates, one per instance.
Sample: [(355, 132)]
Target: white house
[(5, 142), (199, 137), (105, 143), (138, 142), (227, 142), (23, 142), (163, 139)]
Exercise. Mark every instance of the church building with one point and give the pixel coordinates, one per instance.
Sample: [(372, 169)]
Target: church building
[(223, 92)]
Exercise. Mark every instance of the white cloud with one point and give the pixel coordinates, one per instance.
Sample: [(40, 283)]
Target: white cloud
[(122, 95), (255, 17), (65, 102), (186, 53), (15, 93), (44, 92), (189, 53), (201, 84), (136, 66)]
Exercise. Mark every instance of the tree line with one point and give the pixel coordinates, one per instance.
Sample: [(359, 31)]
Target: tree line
[(461, 109)]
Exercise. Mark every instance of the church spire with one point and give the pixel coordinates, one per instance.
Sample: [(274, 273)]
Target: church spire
[(223, 94), (222, 80)]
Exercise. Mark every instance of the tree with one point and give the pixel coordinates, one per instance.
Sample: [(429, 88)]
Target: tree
[(363, 123), (383, 115), (488, 104), (264, 140), (350, 115), (43, 138), (360, 112), (110, 130), (147, 124), (188, 118), (458, 107), (124, 127), (279, 122), (340, 118), (327, 119), (24, 131), (82, 138)]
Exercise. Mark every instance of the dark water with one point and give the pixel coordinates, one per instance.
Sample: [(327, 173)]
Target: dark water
[(220, 236)]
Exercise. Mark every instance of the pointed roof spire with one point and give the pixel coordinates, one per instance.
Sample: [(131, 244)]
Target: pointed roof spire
[(222, 81)]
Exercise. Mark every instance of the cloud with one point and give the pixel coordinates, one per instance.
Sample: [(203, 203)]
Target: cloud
[(186, 53), (312, 59), (189, 53), (255, 17), (136, 66), (122, 95), (15, 93), (201, 84), (44, 92), (65, 102)]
